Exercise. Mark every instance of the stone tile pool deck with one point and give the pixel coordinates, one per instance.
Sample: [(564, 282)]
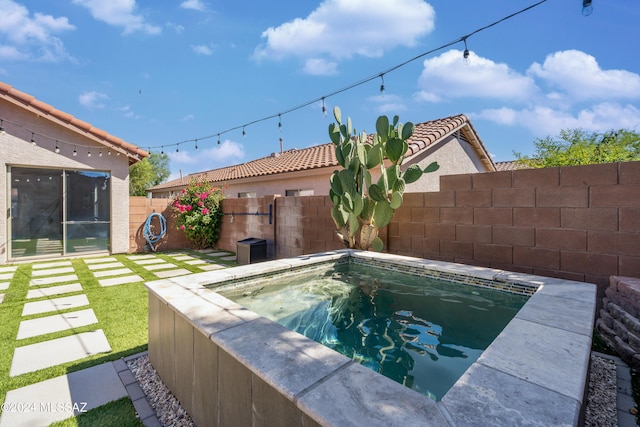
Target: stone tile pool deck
[(534, 373)]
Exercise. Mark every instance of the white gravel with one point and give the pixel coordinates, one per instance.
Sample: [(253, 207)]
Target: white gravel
[(601, 408), (168, 410)]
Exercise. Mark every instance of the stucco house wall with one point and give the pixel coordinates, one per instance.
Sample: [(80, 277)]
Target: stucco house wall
[(17, 150)]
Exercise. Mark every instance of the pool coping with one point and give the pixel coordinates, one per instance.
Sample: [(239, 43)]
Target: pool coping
[(515, 380)]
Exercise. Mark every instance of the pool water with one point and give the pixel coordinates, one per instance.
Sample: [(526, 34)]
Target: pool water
[(416, 330)]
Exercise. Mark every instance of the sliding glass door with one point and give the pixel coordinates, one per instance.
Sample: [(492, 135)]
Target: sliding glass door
[(88, 211), (55, 211), (36, 212)]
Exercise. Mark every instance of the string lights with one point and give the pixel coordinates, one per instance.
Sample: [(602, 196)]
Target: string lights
[(465, 54), (587, 8)]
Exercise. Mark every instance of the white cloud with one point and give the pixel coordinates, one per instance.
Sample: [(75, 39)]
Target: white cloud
[(177, 28), (31, 37), (11, 53), (387, 103), (92, 100), (579, 76), (340, 29), (187, 118), (225, 154), (320, 67), (543, 120), (119, 13), (202, 49), (450, 76), (194, 5), (128, 112)]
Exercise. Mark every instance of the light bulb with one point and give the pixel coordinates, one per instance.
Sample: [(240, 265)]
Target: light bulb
[(587, 7), (75, 152)]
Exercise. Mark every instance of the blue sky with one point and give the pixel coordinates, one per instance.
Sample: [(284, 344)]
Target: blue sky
[(158, 73)]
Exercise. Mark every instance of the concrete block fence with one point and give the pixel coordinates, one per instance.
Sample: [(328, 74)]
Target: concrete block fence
[(576, 222)]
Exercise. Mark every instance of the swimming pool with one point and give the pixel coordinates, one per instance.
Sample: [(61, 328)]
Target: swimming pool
[(230, 366), (419, 331)]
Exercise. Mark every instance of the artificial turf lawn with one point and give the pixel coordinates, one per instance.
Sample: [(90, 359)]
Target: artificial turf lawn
[(121, 311)]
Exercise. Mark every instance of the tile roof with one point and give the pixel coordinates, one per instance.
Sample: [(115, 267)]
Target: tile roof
[(29, 102), (321, 156), (509, 165)]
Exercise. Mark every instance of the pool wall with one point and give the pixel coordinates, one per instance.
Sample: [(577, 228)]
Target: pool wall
[(230, 366)]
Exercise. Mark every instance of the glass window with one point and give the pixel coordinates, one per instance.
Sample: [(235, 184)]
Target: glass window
[(298, 193), (247, 195)]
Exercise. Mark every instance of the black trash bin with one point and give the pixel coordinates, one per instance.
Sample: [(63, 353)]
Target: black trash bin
[(251, 250)]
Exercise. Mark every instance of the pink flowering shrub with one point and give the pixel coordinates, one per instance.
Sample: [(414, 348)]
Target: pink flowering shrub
[(199, 214)]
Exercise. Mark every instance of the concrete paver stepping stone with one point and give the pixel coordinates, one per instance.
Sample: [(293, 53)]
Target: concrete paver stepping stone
[(50, 264), (55, 323), (175, 254), (102, 266), (136, 257), (229, 258), (195, 262), (54, 290), (210, 267), (162, 266), (110, 273), (183, 257), (30, 358), (1, 298), (99, 260), (6, 276), (120, 280), (51, 271), (8, 269), (204, 251), (55, 304), (172, 273), (53, 279), (218, 254), (86, 389), (4, 286), (150, 261)]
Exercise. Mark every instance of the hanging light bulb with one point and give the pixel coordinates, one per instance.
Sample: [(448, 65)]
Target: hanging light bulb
[(89, 153), (196, 144), (218, 139), (100, 153), (75, 151), (162, 150), (109, 152), (324, 109), (33, 139), (382, 84), (244, 134), (57, 147), (465, 54), (2, 132), (587, 7), (280, 122), (177, 148)]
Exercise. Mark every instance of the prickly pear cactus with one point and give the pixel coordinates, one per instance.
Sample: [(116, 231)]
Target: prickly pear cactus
[(362, 207)]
